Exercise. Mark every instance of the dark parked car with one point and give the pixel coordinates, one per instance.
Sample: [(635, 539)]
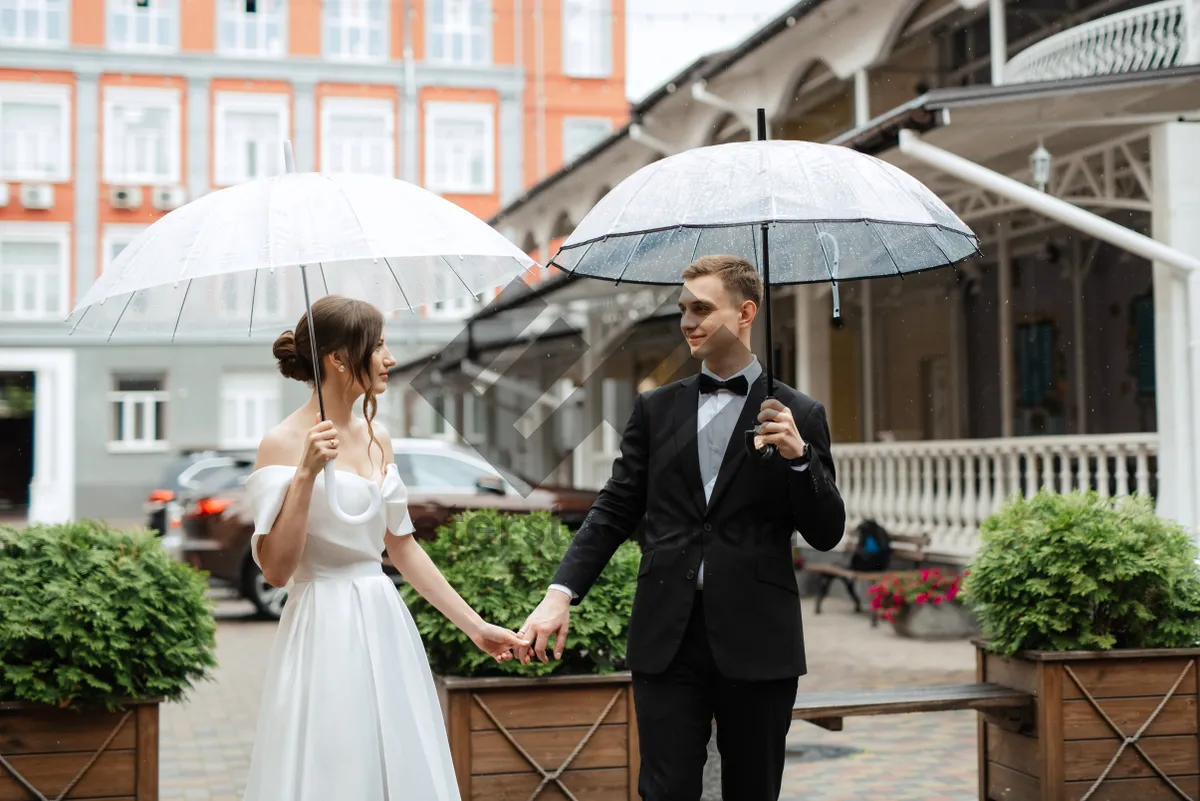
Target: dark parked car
[(193, 474), (442, 479)]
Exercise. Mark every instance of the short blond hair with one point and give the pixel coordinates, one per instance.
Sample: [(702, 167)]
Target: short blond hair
[(738, 276)]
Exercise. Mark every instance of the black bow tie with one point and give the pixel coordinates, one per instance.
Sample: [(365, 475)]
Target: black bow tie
[(737, 385)]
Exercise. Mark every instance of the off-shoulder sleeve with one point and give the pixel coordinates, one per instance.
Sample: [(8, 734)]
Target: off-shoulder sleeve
[(395, 504), (265, 489)]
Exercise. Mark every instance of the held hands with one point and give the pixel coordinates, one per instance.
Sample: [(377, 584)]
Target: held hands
[(320, 446), (498, 642), (779, 429), (551, 618)]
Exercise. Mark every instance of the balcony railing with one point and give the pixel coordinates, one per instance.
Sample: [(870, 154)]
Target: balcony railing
[(1154, 36), (946, 488)]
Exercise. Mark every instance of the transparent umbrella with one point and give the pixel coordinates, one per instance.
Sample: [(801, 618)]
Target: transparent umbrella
[(801, 212), (253, 256)]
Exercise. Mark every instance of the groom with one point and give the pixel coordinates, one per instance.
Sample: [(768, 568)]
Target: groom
[(715, 629)]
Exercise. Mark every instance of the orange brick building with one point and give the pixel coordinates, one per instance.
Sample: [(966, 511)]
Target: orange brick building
[(113, 112)]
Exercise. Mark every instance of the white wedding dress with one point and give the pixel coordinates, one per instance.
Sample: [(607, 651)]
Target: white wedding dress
[(349, 709)]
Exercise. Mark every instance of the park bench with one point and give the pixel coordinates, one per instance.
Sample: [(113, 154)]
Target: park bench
[(828, 709), (908, 547)]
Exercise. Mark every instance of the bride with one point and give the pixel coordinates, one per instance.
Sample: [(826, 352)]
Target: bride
[(349, 708)]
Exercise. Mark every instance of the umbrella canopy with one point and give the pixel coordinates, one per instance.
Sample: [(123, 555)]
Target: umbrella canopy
[(252, 256), (230, 260), (833, 214)]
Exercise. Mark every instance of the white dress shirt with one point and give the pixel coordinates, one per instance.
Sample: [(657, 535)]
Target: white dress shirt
[(717, 414)]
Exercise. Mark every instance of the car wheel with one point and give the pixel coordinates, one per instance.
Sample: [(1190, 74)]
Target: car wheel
[(267, 600)]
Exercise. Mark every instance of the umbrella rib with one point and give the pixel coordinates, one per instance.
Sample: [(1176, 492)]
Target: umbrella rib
[(187, 289), (887, 249), (696, 246), (396, 278), (456, 275), (324, 282), (120, 316), (629, 258), (253, 292), (586, 248), (80, 320)]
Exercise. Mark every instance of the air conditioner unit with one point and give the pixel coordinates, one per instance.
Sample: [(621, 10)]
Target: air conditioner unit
[(169, 198), (125, 197), (37, 196), (3, 194)]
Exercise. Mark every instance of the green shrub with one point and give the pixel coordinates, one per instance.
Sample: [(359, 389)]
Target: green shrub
[(90, 616), (1080, 572), (501, 564)]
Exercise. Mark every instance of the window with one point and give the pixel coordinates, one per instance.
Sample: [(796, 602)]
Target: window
[(143, 25), (358, 135), (241, 293), (1036, 362), (33, 23), (457, 304), (249, 407), (33, 271), (459, 148), (139, 412), (251, 27), (141, 136), (580, 134), (116, 239), (459, 32), (35, 132), (587, 38), (250, 132), (356, 29)]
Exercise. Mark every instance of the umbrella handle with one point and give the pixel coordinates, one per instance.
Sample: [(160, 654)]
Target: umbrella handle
[(345, 517)]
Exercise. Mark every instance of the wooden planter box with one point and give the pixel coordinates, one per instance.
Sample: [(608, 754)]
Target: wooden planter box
[(99, 754), (1066, 746), (507, 735)]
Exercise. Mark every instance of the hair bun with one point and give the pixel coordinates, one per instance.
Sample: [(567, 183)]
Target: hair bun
[(292, 363)]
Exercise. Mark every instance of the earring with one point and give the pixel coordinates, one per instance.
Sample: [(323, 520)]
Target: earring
[(341, 368)]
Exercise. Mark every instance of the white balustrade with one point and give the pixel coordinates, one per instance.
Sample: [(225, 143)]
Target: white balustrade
[(946, 488), (1153, 36)]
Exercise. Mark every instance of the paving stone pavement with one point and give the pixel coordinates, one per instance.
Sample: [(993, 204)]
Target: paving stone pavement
[(207, 739)]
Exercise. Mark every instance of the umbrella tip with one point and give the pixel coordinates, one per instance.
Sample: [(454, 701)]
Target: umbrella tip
[(289, 160)]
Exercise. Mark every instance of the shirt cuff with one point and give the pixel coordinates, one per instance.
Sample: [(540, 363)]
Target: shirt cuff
[(800, 468), (561, 588)]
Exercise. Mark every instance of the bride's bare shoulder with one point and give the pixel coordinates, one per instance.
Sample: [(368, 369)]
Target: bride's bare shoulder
[(282, 445)]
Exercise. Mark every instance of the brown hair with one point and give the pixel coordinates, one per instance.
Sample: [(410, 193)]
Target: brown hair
[(348, 327), (738, 276)]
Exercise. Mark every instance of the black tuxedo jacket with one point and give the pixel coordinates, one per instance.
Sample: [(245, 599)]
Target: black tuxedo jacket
[(743, 533)]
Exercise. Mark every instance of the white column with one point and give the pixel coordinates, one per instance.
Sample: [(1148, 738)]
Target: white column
[(999, 35), (957, 349), (862, 99), (1004, 303), (1079, 271), (1176, 207)]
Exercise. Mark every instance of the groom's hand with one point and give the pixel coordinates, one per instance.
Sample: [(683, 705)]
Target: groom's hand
[(552, 618)]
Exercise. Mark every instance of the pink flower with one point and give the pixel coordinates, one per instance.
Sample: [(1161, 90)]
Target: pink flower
[(922, 597), (925, 574), (897, 599), (952, 592), (877, 602), (938, 599)]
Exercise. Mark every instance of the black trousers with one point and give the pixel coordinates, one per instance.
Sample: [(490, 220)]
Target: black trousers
[(675, 710)]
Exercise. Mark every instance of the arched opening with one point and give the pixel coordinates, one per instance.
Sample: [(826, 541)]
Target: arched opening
[(818, 108), (727, 128)]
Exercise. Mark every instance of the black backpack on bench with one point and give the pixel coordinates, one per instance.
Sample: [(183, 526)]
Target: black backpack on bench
[(873, 551)]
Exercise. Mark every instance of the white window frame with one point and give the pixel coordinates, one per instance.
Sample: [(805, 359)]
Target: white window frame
[(458, 307), (115, 7), (583, 122), (42, 8), (226, 102), (43, 232), (235, 11), (446, 32), (146, 97), (598, 17), (384, 25), (384, 108), (260, 389), (461, 110), (47, 94), (149, 401), (246, 287)]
